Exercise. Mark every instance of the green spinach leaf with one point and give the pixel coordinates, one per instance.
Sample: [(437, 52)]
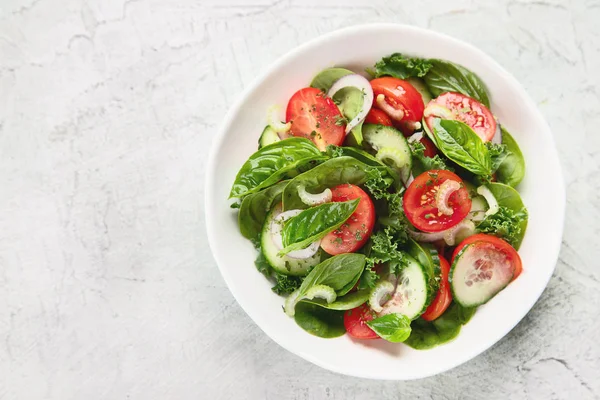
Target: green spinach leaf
[(271, 163), (426, 334), (326, 175), (254, 209), (394, 328), (498, 154), (512, 169), (350, 101), (445, 76), (320, 321), (346, 302), (325, 79), (461, 144), (400, 66), (510, 222), (314, 223)]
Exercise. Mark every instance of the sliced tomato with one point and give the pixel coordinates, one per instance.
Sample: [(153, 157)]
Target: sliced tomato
[(376, 116), (420, 201), (355, 232), (355, 321), (469, 111), (400, 95), (444, 295), (315, 116), (430, 149), (498, 243)]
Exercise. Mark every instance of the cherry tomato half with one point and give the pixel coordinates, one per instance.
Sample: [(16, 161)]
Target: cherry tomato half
[(469, 111), (498, 243), (355, 232), (420, 201), (376, 116), (400, 95), (355, 321), (444, 295), (315, 116)]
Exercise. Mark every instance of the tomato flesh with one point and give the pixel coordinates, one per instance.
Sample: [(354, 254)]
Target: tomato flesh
[(378, 117), (315, 116), (469, 111), (430, 149), (355, 232), (420, 204), (400, 95), (444, 295), (498, 244), (355, 322)]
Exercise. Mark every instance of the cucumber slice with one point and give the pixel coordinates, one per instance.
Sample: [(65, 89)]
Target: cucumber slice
[(421, 88), (412, 293), (389, 141), (284, 265), (268, 136), (427, 256), (478, 273)]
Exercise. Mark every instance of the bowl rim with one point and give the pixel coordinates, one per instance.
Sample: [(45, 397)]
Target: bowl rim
[(315, 42)]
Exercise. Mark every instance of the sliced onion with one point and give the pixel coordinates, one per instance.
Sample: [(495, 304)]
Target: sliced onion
[(415, 137), (275, 230), (410, 179), (388, 109), (497, 138), (443, 194), (491, 200), (463, 229), (362, 84), (379, 292), (434, 109), (275, 122), (312, 199)]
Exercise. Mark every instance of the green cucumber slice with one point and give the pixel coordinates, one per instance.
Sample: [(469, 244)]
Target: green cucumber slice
[(412, 293)]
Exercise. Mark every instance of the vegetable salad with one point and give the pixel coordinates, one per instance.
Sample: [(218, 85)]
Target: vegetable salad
[(385, 208)]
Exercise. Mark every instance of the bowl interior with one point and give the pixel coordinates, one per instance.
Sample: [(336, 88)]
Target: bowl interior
[(356, 48)]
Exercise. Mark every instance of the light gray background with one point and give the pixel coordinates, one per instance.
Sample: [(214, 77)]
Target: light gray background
[(107, 110)]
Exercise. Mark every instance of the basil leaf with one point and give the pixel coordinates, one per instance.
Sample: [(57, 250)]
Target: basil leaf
[(325, 79), (512, 169), (331, 173), (510, 222), (271, 163), (314, 223), (462, 145), (445, 76), (426, 334), (401, 67), (254, 209), (320, 321), (347, 302), (336, 272), (394, 328)]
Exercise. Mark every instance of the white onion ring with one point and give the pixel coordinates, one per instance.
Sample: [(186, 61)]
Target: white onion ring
[(415, 137), (275, 123), (362, 84), (449, 235), (497, 138), (491, 200)]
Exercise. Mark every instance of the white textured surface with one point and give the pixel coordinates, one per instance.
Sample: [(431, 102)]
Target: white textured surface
[(107, 287)]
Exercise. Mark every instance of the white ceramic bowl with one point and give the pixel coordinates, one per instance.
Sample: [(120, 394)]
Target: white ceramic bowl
[(356, 48)]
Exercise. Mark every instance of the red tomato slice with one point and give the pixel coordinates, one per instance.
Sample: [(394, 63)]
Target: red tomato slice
[(444, 296), (469, 111), (355, 232), (355, 321), (315, 116), (430, 149), (420, 205), (401, 95), (499, 244), (376, 116)]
